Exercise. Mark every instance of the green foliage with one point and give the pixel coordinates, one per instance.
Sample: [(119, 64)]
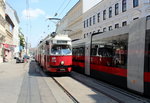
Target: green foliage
[(22, 39)]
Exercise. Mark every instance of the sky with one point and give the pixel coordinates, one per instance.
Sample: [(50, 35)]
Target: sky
[(34, 13)]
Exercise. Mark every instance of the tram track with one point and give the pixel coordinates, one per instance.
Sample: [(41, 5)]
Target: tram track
[(115, 90), (70, 96), (65, 90)]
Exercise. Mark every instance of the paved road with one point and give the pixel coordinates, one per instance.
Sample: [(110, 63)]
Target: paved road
[(22, 83), (11, 77)]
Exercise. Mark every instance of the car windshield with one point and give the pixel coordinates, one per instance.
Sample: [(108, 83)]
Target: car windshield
[(25, 56), (61, 50)]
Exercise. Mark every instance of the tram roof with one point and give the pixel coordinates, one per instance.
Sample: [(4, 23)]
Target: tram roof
[(57, 37)]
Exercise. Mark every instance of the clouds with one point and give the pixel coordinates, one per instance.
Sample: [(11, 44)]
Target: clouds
[(32, 13)]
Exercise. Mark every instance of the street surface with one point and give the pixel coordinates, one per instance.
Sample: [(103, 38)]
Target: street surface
[(26, 83), (21, 83)]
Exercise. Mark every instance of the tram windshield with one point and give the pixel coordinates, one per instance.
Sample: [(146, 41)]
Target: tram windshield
[(61, 50)]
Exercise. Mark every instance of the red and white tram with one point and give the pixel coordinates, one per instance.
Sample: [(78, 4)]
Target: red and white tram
[(54, 53), (120, 57)]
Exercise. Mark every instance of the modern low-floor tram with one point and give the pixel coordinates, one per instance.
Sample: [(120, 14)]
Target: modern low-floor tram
[(120, 57)]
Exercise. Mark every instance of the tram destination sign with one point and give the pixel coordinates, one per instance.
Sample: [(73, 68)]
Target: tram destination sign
[(61, 41)]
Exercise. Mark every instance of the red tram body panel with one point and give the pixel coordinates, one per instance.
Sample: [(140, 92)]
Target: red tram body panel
[(54, 54)]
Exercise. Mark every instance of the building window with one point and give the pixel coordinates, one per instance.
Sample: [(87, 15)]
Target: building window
[(136, 18), (110, 12), (135, 3), (94, 19), (98, 17), (90, 21), (87, 22), (104, 15), (84, 24), (110, 28), (104, 29), (124, 5), (124, 23), (84, 35), (116, 9), (148, 17), (116, 26)]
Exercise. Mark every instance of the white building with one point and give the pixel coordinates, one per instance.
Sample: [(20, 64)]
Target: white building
[(71, 22), (15, 31), (112, 14), (2, 27)]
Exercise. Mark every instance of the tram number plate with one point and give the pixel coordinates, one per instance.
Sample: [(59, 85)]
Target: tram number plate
[(62, 69)]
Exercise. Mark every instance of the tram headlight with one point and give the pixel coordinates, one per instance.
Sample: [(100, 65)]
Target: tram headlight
[(62, 62)]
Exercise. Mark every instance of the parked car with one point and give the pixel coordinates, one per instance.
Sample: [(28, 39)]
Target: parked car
[(19, 60), (26, 57)]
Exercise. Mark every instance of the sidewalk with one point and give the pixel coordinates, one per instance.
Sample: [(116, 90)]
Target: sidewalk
[(11, 77)]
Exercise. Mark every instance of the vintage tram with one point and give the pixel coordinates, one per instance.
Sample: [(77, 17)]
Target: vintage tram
[(54, 53), (120, 57)]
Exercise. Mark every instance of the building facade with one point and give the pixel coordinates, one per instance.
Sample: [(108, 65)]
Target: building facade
[(13, 29), (2, 28), (71, 23), (108, 15)]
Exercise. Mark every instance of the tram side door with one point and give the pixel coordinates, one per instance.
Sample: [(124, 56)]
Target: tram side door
[(87, 58)]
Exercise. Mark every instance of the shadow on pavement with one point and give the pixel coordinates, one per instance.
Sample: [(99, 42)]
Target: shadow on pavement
[(35, 70)]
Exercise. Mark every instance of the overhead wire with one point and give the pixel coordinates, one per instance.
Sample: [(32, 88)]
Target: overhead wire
[(60, 8), (65, 7)]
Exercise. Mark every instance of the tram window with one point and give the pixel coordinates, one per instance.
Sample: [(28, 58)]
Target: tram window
[(81, 51), (105, 52), (61, 49), (93, 51)]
